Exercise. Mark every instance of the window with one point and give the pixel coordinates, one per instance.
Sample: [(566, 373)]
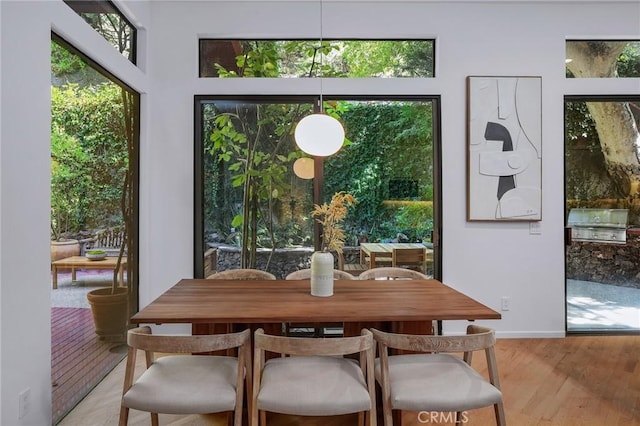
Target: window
[(312, 58), (248, 195), (92, 157), (603, 58), (109, 22)]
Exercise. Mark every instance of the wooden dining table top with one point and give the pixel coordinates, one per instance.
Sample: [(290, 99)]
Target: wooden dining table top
[(199, 301)]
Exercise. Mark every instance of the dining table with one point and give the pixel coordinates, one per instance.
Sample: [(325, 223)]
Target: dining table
[(378, 254), (210, 306)]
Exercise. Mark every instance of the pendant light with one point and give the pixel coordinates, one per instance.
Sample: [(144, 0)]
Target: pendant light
[(303, 168), (319, 134)]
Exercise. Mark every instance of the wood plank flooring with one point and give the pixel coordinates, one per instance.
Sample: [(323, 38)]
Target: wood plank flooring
[(79, 360), (578, 380)]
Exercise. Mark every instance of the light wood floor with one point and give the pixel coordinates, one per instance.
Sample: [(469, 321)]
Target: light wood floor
[(580, 380)]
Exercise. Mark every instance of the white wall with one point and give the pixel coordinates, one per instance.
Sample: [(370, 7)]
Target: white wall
[(25, 307), (485, 260)]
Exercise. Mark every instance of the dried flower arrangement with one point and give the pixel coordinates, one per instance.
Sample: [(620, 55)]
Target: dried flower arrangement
[(330, 217)]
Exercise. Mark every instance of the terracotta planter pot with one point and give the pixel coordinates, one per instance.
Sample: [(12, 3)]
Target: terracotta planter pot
[(62, 249), (110, 313)]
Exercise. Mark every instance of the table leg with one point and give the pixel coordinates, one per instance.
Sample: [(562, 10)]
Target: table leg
[(121, 276), (55, 276), (73, 275)]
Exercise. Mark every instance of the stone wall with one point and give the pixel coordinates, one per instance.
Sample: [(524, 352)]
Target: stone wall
[(281, 263), (617, 264)]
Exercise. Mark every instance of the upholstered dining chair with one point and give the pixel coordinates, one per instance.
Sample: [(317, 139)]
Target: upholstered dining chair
[(314, 329), (434, 379), (242, 274), (181, 383), (314, 378), (305, 274), (392, 273)]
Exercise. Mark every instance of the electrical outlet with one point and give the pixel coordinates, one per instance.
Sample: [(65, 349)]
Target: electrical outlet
[(535, 228), (505, 303), (24, 402)]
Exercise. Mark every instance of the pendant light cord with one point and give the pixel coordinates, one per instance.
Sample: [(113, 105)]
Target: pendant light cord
[(321, 58)]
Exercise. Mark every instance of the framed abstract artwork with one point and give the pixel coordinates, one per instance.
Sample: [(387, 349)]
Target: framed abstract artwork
[(504, 148)]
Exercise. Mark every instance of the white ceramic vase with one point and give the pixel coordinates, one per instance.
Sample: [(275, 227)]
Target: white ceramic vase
[(322, 274)]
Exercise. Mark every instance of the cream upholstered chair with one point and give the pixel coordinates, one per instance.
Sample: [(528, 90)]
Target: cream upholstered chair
[(436, 380), (314, 329), (391, 273), (181, 383), (305, 274), (316, 380), (242, 274)]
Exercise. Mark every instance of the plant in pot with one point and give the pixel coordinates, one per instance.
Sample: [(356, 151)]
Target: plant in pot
[(110, 306), (330, 216)]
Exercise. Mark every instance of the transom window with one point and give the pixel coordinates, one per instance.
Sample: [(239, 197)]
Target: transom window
[(603, 58), (315, 58), (109, 22)]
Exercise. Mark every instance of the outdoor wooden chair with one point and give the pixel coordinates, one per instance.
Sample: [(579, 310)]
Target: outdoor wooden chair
[(315, 329), (412, 258), (435, 380), (181, 383), (110, 240), (316, 380)]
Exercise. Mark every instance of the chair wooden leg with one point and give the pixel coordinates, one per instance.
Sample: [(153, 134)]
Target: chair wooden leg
[(367, 418), (253, 416), (500, 418), (263, 418), (124, 416), (154, 419), (395, 418)]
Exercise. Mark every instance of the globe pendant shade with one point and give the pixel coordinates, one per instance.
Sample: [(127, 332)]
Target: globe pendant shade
[(303, 168), (319, 135)]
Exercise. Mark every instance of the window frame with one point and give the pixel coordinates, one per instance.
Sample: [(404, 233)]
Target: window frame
[(198, 195)]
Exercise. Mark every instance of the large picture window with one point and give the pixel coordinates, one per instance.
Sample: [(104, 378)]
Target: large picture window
[(251, 197)]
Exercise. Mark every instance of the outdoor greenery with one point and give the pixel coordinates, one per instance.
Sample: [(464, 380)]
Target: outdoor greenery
[(390, 142), (250, 147), (602, 164), (88, 152), (311, 58), (110, 23)]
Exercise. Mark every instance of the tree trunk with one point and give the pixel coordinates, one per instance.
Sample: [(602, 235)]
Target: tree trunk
[(615, 124)]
